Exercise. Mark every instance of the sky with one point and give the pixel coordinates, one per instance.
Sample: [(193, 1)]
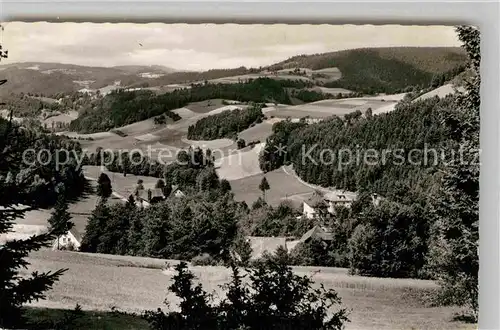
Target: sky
[(201, 46)]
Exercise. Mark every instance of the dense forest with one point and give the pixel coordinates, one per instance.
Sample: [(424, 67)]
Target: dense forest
[(384, 70), (122, 108), (50, 159), (226, 124), (24, 105), (332, 152), (182, 228)]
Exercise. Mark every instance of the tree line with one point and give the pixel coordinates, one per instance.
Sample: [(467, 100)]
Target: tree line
[(226, 124)]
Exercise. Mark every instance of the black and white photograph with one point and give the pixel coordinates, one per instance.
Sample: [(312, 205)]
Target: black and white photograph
[(239, 176)]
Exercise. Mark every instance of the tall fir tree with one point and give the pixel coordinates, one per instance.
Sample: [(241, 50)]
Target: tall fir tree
[(60, 220), (17, 289), (454, 253), (104, 188), (263, 186)]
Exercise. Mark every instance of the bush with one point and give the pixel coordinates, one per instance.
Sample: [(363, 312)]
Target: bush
[(241, 144), (203, 260), (272, 298)]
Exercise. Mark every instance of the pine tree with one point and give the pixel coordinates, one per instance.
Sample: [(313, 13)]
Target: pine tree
[(454, 256), (104, 189), (264, 185), (131, 202), (95, 228), (60, 221), (17, 290)]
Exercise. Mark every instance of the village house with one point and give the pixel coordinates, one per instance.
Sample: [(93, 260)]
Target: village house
[(72, 240), (326, 203), (151, 196), (319, 203)]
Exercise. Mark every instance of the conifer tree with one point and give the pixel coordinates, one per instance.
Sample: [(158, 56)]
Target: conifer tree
[(60, 221), (17, 290), (264, 185), (454, 255)]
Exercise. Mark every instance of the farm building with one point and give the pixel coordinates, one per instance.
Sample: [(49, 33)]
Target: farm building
[(316, 232), (176, 192), (150, 195), (72, 240), (318, 203)]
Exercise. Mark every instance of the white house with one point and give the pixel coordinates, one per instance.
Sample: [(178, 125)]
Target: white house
[(328, 202), (72, 240)]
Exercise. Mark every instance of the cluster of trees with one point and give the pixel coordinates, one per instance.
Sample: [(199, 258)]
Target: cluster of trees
[(267, 221), (180, 228), (124, 107), (272, 298), (24, 105), (193, 168), (226, 124)]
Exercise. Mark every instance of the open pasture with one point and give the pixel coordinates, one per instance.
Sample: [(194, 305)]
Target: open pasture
[(259, 132), (122, 185), (240, 164), (134, 284), (281, 185), (327, 108), (440, 92)]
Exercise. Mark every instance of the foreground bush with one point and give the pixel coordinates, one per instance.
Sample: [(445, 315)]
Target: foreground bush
[(272, 298)]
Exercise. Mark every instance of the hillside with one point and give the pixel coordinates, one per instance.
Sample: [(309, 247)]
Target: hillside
[(385, 70)]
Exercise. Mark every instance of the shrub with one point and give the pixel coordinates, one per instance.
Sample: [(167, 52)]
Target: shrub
[(203, 260), (272, 298)]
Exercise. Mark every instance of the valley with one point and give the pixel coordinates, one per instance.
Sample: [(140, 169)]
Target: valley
[(208, 167)]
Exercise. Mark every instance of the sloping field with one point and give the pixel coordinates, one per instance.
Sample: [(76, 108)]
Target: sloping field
[(333, 91), (389, 97), (147, 137), (205, 106), (94, 136), (140, 127), (184, 113), (440, 92), (326, 108), (240, 164), (246, 77), (211, 144), (259, 132), (282, 186), (61, 118), (124, 186), (183, 124), (134, 284)]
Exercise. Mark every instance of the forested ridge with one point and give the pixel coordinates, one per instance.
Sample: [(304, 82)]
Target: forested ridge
[(49, 159), (343, 143), (122, 108), (384, 70)]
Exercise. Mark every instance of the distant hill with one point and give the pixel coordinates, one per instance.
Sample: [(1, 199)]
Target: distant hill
[(386, 70), (48, 79)]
